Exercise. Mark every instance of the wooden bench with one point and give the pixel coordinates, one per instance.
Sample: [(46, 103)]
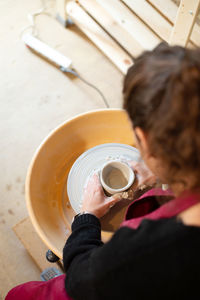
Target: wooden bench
[(123, 29)]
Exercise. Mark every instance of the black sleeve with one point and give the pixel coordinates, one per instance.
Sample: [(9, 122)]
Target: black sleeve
[(87, 261), (85, 237), (128, 262)]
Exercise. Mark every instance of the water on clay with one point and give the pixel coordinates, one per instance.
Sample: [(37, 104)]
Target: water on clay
[(116, 179)]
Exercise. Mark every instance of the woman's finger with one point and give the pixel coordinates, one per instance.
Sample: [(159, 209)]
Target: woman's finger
[(92, 182), (111, 201), (133, 164)]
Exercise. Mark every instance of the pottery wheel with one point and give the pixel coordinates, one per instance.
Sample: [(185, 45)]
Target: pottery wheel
[(46, 184), (92, 161)]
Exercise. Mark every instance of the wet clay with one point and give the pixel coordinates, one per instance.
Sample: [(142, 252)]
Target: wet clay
[(116, 179)]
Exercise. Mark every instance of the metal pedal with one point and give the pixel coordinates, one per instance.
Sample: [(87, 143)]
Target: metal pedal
[(50, 273)]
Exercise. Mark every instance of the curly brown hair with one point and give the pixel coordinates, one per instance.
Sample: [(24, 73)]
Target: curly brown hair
[(162, 97)]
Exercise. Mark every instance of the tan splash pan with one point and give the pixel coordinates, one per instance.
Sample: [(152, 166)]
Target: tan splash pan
[(46, 194)]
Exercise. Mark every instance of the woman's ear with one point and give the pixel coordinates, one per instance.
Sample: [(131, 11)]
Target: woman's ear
[(141, 141), (150, 160)]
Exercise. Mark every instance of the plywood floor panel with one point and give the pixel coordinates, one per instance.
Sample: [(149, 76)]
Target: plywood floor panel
[(35, 97)]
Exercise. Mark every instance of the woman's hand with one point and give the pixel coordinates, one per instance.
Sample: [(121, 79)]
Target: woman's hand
[(143, 175), (94, 199)]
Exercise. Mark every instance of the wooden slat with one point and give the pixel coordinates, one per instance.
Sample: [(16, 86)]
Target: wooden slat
[(141, 34), (169, 10), (105, 43), (151, 17), (184, 22), (32, 243), (112, 27), (60, 8)]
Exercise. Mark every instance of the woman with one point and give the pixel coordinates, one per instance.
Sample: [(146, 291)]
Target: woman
[(155, 253), (160, 258)]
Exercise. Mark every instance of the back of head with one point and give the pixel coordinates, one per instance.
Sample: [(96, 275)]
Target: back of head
[(162, 97)]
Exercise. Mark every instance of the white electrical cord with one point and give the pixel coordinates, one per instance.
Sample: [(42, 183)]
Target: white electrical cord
[(32, 17), (73, 72), (34, 32)]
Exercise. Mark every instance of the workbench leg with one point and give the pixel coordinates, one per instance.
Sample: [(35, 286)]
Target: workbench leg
[(185, 19), (61, 14)]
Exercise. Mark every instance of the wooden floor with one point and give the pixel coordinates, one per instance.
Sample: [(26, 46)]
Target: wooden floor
[(35, 98)]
